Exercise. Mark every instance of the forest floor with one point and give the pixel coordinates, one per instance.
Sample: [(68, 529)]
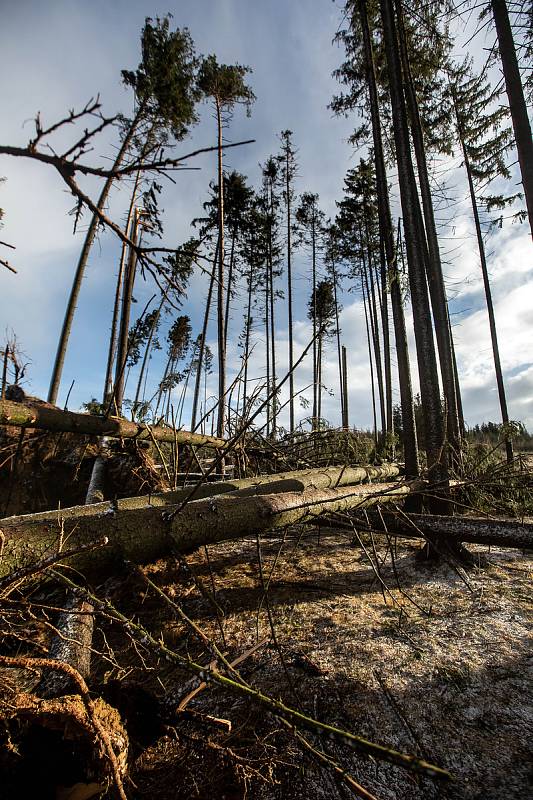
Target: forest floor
[(439, 664), (417, 656)]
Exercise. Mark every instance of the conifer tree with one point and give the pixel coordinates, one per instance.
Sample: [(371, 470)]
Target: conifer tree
[(165, 97), (288, 172), (225, 85), (309, 226), (321, 310), (485, 141)]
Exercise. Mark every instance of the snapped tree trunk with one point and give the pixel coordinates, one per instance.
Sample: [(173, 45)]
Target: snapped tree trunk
[(108, 382), (75, 625), (127, 293)]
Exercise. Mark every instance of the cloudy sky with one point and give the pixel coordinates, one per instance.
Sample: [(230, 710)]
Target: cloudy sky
[(56, 55)]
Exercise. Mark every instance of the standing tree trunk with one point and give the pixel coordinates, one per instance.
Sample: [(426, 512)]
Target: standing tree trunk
[(437, 290), (248, 324), (289, 293), (108, 382), (414, 237), (230, 279), (147, 352), (377, 344), (338, 338), (517, 103), (386, 335), (387, 236), (488, 299), (272, 322), (221, 419), (202, 341), (315, 377), (345, 422), (82, 263), (371, 366), (127, 292)]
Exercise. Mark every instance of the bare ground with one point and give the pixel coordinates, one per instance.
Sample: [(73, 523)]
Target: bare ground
[(424, 659)]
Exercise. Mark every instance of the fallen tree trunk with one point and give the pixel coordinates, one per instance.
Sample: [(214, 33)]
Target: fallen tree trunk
[(293, 481), (29, 415), (142, 534), (478, 530)]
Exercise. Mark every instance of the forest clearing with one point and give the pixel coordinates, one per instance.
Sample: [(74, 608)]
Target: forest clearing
[(263, 539)]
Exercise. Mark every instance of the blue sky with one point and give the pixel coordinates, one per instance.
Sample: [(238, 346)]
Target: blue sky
[(56, 55)]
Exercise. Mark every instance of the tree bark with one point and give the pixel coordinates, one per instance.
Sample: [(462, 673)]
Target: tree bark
[(23, 415), (435, 279), (372, 386), (76, 624), (345, 419)]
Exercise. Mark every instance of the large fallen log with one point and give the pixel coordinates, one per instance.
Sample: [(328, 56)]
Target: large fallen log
[(44, 417), (143, 534), (478, 530), (293, 481)]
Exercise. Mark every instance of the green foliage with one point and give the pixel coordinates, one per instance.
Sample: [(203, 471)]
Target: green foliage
[(177, 268), (165, 80), (139, 334), (493, 434), (310, 220), (225, 84), (95, 407), (483, 128), (492, 485), (321, 307), (356, 223), (179, 338), (428, 46)]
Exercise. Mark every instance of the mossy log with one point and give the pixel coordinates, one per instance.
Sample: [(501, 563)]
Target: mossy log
[(145, 533), (49, 418)]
